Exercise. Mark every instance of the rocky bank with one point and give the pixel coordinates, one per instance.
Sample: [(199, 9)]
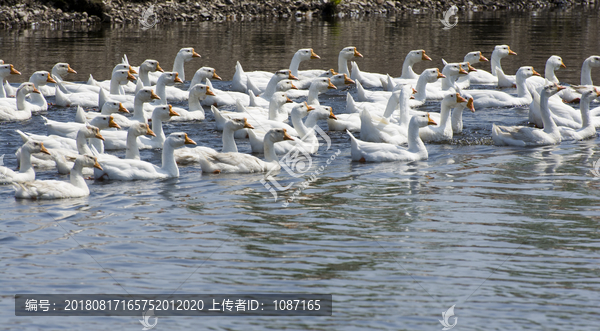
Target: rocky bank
[(15, 13)]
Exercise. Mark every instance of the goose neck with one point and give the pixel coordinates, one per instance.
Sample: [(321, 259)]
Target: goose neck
[(229, 145), (549, 124), (2, 91), (269, 147), (391, 106), (313, 95), (158, 129), (343, 65), (194, 103), (178, 67), (25, 160), (271, 88), (495, 62), (522, 90), (21, 102), (415, 144), (421, 88), (407, 68), (456, 120), (82, 146), (298, 124), (585, 113), (138, 111), (444, 115), (168, 161), (76, 176), (549, 73), (144, 76), (273, 110), (132, 151), (295, 64), (115, 86), (586, 73), (161, 91)]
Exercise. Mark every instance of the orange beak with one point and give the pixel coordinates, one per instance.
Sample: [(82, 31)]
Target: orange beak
[(293, 86), (70, 70), (597, 92), (35, 90), (209, 91), (150, 132), (562, 65), (471, 69), (313, 55), (177, 79), (99, 136), (411, 97), (172, 112), (194, 54), (308, 108), (112, 124), (460, 99), (154, 96), (510, 51), (130, 76), (14, 71), (462, 71), (482, 58), (50, 80), (96, 164), (189, 141), (413, 90), (333, 73), (424, 57), (131, 71), (43, 149), (535, 73), (331, 114), (470, 105), (247, 125), (215, 76), (286, 136), (430, 121), (288, 100), (356, 53), (122, 108), (560, 87), (440, 75), (158, 68), (292, 77), (347, 80), (331, 86)]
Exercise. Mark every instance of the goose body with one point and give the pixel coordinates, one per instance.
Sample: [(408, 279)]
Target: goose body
[(444, 130), (587, 130), (493, 98), (18, 109), (26, 172), (6, 70)]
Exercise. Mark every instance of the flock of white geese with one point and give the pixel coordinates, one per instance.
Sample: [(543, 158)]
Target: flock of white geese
[(382, 108)]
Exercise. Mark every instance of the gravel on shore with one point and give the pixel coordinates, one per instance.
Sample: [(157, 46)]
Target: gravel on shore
[(15, 13)]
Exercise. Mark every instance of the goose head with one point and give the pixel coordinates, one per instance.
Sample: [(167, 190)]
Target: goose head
[(341, 80), (329, 73), (322, 84), (593, 61), (26, 88), (452, 100), (235, 124), (104, 122), (200, 91), (466, 66), (7, 70), (277, 135), (125, 66), (146, 94), (555, 62), (112, 107), (87, 161), (178, 139), (170, 78), (588, 93), (284, 74), (62, 69), (280, 98), (350, 52), (417, 55), (41, 78), (306, 54), (432, 74), (301, 110), (551, 89), (187, 54), (90, 131), (34, 146), (453, 69), (122, 76), (503, 51), (475, 57), (526, 72), (151, 66), (163, 113), (285, 85), (140, 129), (422, 120), (326, 112)]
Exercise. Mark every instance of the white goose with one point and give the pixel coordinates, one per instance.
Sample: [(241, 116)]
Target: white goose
[(132, 150), (443, 131), (457, 122), (408, 75), (473, 58), (173, 94), (184, 55), (123, 87), (128, 169), (70, 129), (118, 139), (20, 109), (308, 141), (142, 97), (193, 155), (54, 189), (586, 69), (59, 72), (26, 172), (202, 74), (440, 89), (482, 77), (245, 163), (147, 67), (363, 151), (195, 112), (91, 99), (528, 136), (587, 130), (66, 146), (109, 108), (39, 79), (317, 86), (5, 71), (491, 98)]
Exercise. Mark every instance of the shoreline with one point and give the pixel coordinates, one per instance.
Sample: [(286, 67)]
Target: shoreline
[(20, 13)]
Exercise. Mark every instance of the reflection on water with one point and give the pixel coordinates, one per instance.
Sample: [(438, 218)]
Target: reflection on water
[(508, 235)]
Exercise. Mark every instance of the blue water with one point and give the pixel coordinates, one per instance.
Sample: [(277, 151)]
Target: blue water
[(510, 236)]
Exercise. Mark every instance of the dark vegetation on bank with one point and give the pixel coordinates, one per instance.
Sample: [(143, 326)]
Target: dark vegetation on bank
[(14, 13)]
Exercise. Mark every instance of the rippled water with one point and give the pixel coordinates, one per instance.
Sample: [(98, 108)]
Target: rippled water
[(508, 235)]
